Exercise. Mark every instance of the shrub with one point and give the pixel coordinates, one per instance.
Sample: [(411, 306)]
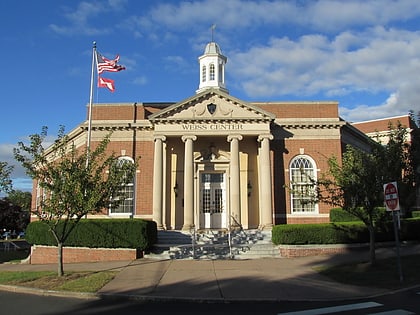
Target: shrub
[(415, 214), (342, 233), (339, 215), (328, 233), (94, 233), (410, 229)]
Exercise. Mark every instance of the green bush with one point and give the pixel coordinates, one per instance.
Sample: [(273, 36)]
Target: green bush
[(342, 233), (415, 214), (327, 233), (339, 215), (410, 229), (95, 233)]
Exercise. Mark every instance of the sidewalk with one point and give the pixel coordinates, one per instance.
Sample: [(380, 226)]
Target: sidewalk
[(281, 279)]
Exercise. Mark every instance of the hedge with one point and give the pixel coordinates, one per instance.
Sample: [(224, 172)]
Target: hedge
[(342, 233), (339, 215), (415, 214), (99, 233)]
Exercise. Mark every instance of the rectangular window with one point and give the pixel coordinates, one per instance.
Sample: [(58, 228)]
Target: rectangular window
[(212, 72), (212, 178), (127, 205), (204, 74)]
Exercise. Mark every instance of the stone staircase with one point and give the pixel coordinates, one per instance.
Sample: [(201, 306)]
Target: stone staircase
[(212, 244)]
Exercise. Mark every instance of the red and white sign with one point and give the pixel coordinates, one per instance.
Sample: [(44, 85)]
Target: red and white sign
[(391, 196)]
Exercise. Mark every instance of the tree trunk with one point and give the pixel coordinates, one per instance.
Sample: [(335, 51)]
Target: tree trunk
[(372, 253), (60, 270)]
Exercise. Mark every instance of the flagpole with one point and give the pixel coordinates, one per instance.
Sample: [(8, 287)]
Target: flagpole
[(92, 77)]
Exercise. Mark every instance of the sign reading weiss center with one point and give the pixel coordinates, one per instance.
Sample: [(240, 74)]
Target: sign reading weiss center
[(214, 128), (391, 196)]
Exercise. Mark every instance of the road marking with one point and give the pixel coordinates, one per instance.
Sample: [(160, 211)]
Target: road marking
[(334, 309), (395, 312)]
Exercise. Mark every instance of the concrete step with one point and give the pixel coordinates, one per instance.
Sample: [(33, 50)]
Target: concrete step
[(245, 244)]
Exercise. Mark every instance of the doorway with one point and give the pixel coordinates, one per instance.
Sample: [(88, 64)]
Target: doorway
[(213, 200)]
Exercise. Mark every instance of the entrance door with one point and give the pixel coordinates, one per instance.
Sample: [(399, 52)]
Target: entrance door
[(212, 201)]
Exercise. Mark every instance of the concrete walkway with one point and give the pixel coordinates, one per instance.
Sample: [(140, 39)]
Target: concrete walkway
[(281, 279)]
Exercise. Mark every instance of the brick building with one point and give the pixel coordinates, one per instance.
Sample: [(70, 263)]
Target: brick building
[(378, 129), (212, 161)]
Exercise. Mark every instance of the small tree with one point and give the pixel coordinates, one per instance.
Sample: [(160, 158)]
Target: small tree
[(355, 184), (5, 181), (75, 182), (397, 164)]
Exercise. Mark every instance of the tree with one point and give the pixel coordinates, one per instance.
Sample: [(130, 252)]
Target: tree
[(12, 216), (415, 156), (5, 181), (398, 163), (355, 184), (21, 198), (75, 182)]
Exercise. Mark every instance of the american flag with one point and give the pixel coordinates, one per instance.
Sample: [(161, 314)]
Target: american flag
[(103, 64)]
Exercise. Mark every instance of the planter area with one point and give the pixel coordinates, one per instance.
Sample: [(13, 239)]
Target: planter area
[(49, 254), (292, 251)]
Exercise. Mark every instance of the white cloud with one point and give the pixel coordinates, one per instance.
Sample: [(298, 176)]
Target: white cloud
[(80, 20), (142, 80), (324, 15), (20, 179), (380, 60)]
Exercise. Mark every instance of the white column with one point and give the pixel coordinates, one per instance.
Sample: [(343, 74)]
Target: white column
[(265, 182), (158, 181), (235, 183), (188, 182)]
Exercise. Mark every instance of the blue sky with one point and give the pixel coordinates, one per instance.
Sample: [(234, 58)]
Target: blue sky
[(364, 54)]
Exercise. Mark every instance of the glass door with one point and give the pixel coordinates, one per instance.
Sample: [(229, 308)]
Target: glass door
[(212, 201)]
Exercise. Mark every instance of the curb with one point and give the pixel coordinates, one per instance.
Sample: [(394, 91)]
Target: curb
[(151, 298)]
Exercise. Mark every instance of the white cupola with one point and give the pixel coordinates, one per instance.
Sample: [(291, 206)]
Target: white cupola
[(212, 68)]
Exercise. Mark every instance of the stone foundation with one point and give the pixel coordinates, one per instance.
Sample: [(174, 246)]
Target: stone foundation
[(49, 254)]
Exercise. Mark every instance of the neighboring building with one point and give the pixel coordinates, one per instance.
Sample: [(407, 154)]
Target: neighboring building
[(213, 161), (378, 129)]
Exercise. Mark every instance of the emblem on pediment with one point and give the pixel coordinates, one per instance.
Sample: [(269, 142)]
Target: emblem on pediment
[(211, 108)]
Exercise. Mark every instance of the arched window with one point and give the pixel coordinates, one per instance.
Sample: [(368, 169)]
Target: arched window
[(126, 206), (302, 184), (204, 74), (212, 72)]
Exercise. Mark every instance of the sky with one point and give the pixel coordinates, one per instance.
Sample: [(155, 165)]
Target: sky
[(363, 54)]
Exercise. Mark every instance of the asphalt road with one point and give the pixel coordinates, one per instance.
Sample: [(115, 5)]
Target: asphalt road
[(403, 303)]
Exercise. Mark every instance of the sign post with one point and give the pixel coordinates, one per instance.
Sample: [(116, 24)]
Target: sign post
[(392, 204)]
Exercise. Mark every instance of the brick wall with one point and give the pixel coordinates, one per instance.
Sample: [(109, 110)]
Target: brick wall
[(291, 251), (49, 254), (301, 110)]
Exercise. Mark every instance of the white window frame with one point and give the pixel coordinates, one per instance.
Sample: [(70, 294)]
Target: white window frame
[(299, 177), (212, 72), (204, 73), (131, 200)]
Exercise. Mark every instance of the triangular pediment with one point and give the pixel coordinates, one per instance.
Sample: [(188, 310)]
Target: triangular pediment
[(212, 105)]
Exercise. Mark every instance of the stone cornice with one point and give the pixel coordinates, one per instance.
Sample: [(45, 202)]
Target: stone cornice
[(106, 125), (310, 124)]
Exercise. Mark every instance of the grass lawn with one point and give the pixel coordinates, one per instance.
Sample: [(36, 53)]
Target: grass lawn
[(384, 274), (73, 281), (48, 280)]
